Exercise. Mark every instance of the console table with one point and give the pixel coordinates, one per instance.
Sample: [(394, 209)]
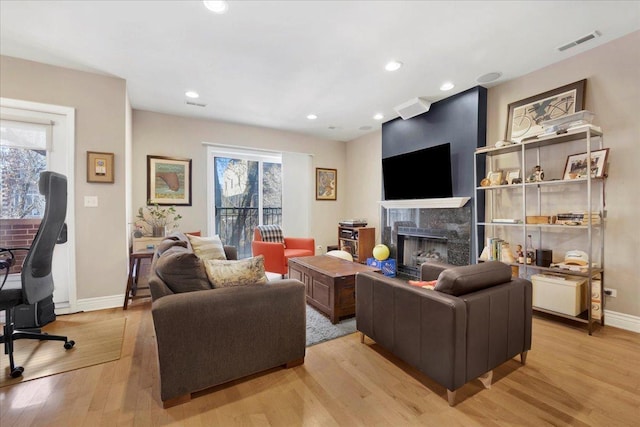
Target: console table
[(330, 283)]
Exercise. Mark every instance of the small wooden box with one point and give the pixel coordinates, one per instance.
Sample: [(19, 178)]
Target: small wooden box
[(532, 219)]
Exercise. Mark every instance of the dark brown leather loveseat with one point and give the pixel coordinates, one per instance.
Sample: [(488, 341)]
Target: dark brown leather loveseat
[(476, 318)]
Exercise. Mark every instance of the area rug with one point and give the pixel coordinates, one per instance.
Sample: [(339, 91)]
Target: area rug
[(320, 328), (96, 343)]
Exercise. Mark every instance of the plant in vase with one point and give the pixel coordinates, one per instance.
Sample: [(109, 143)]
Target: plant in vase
[(156, 220)]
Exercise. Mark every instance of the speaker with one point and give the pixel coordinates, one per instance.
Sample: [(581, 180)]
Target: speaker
[(412, 108), (543, 257)]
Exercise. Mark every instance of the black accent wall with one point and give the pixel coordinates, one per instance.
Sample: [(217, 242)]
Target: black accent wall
[(460, 120)]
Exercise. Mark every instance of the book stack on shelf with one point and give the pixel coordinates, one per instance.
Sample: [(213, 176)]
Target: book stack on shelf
[(578, 218)]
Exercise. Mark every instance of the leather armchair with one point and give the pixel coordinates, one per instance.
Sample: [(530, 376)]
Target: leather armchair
[(276, 255), (477, 318)]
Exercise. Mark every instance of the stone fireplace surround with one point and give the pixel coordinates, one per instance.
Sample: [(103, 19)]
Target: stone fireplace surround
[(450, 225)]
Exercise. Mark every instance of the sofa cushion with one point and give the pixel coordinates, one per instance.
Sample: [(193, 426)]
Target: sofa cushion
[(470, 278), (271, 233), (169, 243), (207, 248), (181, 270), (244, 272)]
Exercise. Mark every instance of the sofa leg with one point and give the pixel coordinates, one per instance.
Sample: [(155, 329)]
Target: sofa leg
[(176, 401), (523, 357), (294, 363), (451, 397), (486, 379), (362, 337)]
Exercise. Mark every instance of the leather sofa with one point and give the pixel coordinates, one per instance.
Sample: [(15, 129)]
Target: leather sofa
[(475, 319), (211, 336)]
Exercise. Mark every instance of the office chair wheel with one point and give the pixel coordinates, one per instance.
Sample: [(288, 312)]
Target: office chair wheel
[(69, 344), (17, 372)]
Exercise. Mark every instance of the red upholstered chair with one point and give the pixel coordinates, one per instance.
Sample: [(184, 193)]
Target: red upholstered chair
[(280, 249)]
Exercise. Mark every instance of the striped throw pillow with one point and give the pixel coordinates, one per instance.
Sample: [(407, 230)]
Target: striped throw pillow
[(207, 248), (271, 233)]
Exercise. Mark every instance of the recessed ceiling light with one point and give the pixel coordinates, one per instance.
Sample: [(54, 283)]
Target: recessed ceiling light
[(378, 116), (218, 7), (447, 86), (393, 65), (489, 77), (191, 94), (312, 117)]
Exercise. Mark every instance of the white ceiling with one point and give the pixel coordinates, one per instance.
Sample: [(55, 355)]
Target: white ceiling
[(270, 63)]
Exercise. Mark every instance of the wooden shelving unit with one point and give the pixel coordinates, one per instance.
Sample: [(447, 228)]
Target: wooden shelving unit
[(358, 241)]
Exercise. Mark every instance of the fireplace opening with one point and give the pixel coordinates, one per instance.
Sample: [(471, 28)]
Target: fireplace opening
[(417, 246)]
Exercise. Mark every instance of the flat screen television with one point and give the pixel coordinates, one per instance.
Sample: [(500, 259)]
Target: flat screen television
[(421, 174)]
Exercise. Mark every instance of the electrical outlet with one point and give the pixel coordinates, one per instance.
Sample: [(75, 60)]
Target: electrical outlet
[(611, 292)]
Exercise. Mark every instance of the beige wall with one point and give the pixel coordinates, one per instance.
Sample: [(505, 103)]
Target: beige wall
[(167, 135), (613, 94), (100, 111), (364, 179)]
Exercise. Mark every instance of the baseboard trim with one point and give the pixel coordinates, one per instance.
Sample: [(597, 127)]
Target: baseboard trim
[(622, 321), (100, 303)]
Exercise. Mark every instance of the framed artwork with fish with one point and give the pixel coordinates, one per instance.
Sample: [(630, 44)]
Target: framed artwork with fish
[(168, 181)]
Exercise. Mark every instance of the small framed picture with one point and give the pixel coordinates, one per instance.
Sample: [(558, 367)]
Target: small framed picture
[(494, 177), (99, 167), (168, 181), (577, 165), (326, 184), (513, 174)]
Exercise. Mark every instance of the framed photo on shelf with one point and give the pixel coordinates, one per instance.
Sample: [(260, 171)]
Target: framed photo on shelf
[(99, 167), (495, 178), (577, 165), (525, 117), (513, 174), (168, 181), (326, 184)]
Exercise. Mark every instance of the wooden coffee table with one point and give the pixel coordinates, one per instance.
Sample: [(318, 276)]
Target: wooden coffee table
[(330, 283)]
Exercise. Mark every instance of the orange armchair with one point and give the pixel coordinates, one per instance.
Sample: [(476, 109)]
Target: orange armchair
[(277, 254)]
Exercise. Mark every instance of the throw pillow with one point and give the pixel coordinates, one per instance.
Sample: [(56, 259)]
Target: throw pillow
[(207, 248), (244, 272), (169, 243), (182, 271), (271, 233)]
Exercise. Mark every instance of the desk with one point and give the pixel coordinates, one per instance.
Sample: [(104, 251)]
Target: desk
[(135, 261)]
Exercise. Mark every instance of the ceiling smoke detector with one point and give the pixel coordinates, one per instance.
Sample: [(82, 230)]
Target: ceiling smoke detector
[(581, 40)]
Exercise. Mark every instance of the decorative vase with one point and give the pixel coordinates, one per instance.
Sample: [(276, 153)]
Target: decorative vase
[(159, 231)]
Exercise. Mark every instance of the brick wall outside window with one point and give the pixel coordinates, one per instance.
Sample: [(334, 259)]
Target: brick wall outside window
[(18, 233)]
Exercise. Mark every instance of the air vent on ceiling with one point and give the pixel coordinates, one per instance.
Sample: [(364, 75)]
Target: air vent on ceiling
[(581, 40), (197, 104)]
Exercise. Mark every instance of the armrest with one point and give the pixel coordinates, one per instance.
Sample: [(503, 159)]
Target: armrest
[(273, 254), (231, 252), (307, 243)]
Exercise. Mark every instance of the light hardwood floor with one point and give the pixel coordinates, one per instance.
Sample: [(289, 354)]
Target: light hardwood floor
[(570, 378)]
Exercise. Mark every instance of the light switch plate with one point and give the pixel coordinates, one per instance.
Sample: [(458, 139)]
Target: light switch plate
[(90, 201)]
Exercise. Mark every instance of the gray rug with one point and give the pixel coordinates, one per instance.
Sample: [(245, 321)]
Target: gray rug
[(320, 329)]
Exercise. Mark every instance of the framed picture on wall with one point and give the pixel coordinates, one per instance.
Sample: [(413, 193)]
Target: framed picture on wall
[(525, 117), (99, 167), (326, 184), (168, 181)]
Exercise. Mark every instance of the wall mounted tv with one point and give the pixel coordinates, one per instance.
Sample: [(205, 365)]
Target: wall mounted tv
[(421, 174)]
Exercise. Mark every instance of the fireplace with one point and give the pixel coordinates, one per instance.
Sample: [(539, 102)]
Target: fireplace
[(417, 234), (417, 246)]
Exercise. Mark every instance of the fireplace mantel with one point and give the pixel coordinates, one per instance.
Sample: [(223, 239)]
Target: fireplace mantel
[(447, 202)]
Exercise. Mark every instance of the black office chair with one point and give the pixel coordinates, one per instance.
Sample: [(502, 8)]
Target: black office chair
[(36, 277)]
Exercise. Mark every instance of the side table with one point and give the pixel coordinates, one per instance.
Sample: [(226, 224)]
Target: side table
[(135, 261)]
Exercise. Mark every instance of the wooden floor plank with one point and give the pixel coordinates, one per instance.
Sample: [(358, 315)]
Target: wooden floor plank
[(570, 378)]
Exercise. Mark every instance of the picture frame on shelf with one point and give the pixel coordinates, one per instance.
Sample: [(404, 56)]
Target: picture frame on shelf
[(525, 117), (513, 174), (100, 167), (326, 184), (495, 178), (168, 181), (577, 165)]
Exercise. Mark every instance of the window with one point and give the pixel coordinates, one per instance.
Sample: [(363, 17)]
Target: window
[(247, 191)]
